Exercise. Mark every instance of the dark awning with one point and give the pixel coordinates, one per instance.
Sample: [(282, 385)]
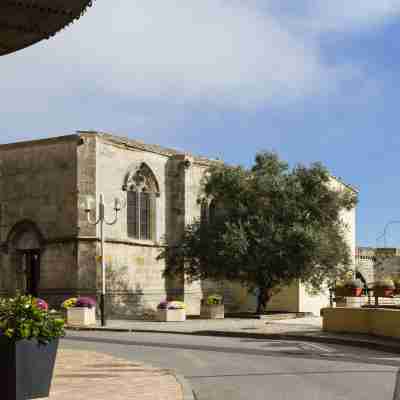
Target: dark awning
[(25, 22)]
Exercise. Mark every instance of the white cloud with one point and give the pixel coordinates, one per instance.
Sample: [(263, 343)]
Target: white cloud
[(230, 53)]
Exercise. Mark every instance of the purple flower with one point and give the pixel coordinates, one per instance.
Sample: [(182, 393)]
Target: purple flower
[(87, 302), (40, 303), (163, 305), (171, 305)]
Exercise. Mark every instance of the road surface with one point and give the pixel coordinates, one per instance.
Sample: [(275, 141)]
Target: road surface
[(220, 368)]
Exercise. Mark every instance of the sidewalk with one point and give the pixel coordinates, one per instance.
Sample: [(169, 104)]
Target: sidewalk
[(86, 375), (307, 329)]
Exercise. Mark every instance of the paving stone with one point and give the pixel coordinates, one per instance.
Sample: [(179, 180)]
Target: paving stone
[(87, 375)]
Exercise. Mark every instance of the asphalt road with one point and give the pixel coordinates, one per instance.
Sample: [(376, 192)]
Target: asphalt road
[(235, 368)]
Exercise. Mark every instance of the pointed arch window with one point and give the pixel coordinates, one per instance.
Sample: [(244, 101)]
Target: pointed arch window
[(209, 210), (142, 193), (203, 211)]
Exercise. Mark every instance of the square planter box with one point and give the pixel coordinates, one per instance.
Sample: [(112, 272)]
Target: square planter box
[(214, 311), (26, 368), (81, 316), (171, 315), (348, 292), (382, 292)]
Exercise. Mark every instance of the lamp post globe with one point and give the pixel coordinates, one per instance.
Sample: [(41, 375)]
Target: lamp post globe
[(25, 22)]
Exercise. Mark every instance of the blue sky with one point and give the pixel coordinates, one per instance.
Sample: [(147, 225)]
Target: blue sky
[(314, 80)]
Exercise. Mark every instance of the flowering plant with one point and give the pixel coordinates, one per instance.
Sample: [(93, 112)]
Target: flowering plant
[(171, 305), (215, 299), (87, 302), (40, 303), (354, 283), (69, 303), (21, 318), (384, 283)]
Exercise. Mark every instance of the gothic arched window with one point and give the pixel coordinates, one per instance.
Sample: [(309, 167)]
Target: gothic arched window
[(142, 188), (212, 210), (204, 211)]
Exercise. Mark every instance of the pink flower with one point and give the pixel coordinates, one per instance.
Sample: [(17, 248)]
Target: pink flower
[(40, 303)]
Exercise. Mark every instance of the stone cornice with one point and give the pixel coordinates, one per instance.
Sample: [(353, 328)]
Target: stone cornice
[(39, 142), (69, 239)]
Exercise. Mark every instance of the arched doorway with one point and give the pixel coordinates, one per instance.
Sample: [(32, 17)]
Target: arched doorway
[(25, 245)]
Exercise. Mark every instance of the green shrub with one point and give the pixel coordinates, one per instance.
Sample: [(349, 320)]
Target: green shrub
[(21, 318), (384, 283)]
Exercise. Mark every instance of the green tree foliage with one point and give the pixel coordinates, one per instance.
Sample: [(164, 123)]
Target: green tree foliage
[(268, 226)]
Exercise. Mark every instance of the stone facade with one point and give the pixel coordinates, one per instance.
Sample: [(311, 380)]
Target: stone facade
[(378, 263), (49, 246), (365, 261)]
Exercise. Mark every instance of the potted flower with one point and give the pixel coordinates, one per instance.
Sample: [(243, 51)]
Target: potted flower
[(66, 304), (28, 347), (383, 288), (81, 312), (349, 288), (396, 282), (214, 307), (171, 311)]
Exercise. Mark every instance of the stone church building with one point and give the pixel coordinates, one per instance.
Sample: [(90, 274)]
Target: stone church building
[(51, 250)]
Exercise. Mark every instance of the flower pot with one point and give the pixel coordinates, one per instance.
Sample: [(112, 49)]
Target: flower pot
[(171, 315), (383, 292), (81, 316), (214, 311), (348, 291), (26, 368)]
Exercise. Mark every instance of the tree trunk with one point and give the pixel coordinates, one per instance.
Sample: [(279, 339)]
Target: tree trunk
[(263, 297)]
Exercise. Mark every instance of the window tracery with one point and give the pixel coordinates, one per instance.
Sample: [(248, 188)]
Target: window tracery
[(142, 193)]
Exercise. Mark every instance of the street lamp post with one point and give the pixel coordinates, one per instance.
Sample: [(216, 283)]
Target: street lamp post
[(102, 221), (384, 232)]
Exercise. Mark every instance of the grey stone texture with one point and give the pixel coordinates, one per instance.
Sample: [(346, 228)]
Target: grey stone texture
[(43, 189)]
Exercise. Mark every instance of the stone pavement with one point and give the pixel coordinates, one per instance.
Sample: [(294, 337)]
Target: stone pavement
[(196, 325), (86, 375)]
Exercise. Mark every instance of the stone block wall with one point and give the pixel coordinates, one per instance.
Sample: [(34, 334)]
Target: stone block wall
[(38, 188), (38, 182), (365, 263)]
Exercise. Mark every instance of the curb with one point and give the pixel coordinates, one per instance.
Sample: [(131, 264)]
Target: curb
[(188, 393), (371, 344)]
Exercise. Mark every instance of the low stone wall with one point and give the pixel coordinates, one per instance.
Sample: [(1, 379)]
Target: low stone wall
[(372, 321)]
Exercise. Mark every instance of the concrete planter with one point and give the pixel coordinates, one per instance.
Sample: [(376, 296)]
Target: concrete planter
[(351, 302), (348, 292), (214, 311), (372, 321), (383, 291), (81, 316), (171, 315)]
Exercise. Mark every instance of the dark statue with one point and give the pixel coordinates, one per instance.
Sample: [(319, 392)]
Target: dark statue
[(25, 22)]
